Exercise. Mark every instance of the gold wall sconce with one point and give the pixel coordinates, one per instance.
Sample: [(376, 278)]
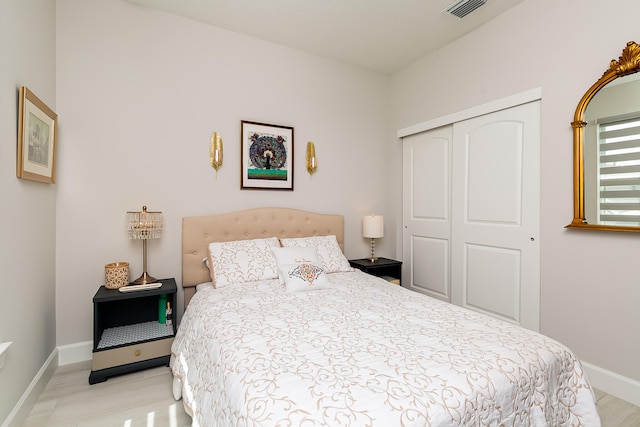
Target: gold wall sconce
[(312, 161), (215, 151)]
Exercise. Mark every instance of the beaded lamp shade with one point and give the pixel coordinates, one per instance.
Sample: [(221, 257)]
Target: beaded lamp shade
[(144, 225)]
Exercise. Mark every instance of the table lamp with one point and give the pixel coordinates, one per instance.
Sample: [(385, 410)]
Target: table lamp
[(144, 225), (373, 228)]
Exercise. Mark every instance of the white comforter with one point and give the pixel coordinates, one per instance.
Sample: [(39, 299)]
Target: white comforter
[(367, 353)]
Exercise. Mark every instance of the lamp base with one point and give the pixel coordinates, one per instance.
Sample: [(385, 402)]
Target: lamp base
[(373, 257), (144, 279)]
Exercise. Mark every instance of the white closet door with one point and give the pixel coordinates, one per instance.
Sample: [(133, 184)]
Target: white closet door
[(495, 256), (427, 212)]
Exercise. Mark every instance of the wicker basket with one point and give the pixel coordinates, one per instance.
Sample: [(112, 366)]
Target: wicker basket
[(116, 275)]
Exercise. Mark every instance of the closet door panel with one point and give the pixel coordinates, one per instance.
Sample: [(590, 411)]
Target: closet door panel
[(490, 272), (430, 261), (494, 176), (426, 212), (495, 215)]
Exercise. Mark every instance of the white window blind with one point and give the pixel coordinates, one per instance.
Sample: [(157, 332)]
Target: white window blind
[(619, 172)]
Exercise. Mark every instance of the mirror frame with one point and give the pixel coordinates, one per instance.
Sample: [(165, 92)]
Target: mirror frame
[(628, 63)]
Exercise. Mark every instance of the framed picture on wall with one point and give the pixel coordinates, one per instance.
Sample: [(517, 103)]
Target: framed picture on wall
[(267, 156), (37, 130)]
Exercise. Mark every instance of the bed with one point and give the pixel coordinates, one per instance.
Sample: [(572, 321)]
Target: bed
[(312, 342)]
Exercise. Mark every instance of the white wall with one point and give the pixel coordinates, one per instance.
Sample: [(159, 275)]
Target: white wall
[(139, 93), (590, 282), (27, 245)]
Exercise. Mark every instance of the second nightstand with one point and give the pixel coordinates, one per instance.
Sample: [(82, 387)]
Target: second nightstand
[(384, 267)]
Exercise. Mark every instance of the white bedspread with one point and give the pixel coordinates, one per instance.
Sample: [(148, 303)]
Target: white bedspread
[(367, 353)]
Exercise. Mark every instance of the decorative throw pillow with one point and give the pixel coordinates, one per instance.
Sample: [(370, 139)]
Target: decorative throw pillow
[(303, 277), (328, 250), (242, 261), (294, 255)]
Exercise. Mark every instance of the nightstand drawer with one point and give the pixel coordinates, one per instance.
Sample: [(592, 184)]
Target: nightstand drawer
[(131, 354)]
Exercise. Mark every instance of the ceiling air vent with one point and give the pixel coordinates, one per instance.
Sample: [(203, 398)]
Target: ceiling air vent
[(464, 7)]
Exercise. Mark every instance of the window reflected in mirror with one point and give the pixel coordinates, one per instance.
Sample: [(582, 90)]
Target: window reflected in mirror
[(607, 149), (612, 155)]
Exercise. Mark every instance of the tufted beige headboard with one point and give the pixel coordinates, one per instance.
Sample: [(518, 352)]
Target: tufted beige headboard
[(199, 231)]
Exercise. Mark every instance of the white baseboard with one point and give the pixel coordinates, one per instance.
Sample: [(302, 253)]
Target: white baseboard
[(23, 408), (63, 355), (614, 384), (74, 353)]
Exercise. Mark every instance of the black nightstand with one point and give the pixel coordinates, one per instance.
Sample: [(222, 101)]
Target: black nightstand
[(127, 335), (384, 267)]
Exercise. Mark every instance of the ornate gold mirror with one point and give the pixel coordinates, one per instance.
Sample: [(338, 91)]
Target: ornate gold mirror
[(606, 145)]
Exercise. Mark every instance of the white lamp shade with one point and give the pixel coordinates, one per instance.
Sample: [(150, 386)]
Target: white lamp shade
[(373, 226)]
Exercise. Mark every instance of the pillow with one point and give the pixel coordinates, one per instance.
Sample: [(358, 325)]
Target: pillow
[(203, 286), (242, 261), (304, 276), (294, 255), (328, 249)]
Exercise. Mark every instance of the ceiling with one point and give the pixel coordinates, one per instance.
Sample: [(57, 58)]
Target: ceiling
[(379, 35)]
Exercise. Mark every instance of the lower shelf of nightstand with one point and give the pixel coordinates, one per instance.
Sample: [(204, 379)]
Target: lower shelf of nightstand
[(393, 280), (123, 335)]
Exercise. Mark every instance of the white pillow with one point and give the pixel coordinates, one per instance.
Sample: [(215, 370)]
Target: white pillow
[(203, 286), (304, 277), (242, 261), (294, 255), (328, 250)]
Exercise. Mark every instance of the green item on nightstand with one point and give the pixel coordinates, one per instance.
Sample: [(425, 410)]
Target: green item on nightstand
[(162, 309)]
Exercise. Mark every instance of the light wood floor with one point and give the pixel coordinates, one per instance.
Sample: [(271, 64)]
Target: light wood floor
[(144, 399), (138, 399)]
